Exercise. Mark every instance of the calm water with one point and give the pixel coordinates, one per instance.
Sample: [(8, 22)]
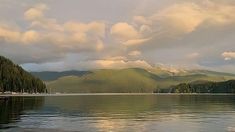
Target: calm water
[(159, 113)]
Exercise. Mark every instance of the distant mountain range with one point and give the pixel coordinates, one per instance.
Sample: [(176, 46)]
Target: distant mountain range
[(131, 80)]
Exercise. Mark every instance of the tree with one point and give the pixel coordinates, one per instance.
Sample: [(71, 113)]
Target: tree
[(14, 78)]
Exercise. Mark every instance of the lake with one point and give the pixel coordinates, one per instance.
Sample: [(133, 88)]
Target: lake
[(137, 113)]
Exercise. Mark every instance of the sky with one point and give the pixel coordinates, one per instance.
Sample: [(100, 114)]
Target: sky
[(59, 35)]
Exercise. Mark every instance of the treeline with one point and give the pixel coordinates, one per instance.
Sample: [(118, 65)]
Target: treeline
[(13, 78), (202, 87)]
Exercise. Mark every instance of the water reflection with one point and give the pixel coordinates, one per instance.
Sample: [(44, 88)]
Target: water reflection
[(12, 107), (135, 104), (120, 113)]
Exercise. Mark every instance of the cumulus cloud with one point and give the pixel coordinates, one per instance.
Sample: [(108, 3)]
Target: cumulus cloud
[(54, 38), (128, 35), (186, 17), (92, 27), (36, 12), (124, 31), (8, 34), (165, 33), (30, 36), (228, 55), (36, 15), (173, 21)]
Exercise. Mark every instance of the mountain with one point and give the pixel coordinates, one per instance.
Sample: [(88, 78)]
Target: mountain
[(50, 76), (132, 80), (15, 79), (107, 81), (202, 87)]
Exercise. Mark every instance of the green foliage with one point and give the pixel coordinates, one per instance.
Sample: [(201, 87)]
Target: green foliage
[(13, 78), (203, 87)]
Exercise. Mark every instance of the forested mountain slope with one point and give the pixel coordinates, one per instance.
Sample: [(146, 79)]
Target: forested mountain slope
[(15, 79)]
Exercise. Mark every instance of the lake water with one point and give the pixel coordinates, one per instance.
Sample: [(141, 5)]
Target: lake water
[(137, 113)]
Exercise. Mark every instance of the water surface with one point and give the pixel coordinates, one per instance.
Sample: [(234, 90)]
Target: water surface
[(161, 113)]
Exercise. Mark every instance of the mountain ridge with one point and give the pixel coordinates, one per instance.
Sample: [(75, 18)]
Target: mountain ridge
[(127, 80)]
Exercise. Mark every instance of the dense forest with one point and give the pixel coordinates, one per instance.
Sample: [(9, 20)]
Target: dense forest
[(13, 78), (202, 87)]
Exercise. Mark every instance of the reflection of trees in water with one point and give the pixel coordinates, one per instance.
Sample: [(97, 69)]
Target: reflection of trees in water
[(11, 108), (137, 105), (102, 104)]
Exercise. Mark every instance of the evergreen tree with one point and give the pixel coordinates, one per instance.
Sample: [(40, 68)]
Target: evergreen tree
[(15, 79)]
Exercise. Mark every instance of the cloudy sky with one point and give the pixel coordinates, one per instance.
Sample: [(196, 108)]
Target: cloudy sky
[(62, 35)]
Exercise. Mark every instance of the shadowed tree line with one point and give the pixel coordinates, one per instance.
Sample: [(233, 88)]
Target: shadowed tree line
[(202, 87), (15, 79)]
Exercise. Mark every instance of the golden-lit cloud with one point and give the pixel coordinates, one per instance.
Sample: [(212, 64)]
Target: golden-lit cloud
[(128, 35), (30, 36), (180, 17), (124, 31), (133, 42), (36, 15), (186, 17), (121, 64), (228, 55), (8, 34), (134, 53), (159, 33), (97, 28), (36, 12), (70, 36)]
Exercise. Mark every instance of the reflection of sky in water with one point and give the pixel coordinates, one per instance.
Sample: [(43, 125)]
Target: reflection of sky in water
[(164, 114), (172, 122)]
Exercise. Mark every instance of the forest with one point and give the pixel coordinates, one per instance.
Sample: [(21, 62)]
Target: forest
[(202, 87), (13, 78)]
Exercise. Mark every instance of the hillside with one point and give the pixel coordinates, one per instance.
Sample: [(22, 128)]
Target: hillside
[(13, 78), (132, 80), (202, 87), (107, 81), (50, 76)]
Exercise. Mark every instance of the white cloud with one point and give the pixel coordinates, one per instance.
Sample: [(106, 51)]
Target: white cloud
[(228, 55)]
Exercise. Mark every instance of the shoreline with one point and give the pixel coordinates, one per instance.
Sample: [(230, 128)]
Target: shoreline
[(109, 94)]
